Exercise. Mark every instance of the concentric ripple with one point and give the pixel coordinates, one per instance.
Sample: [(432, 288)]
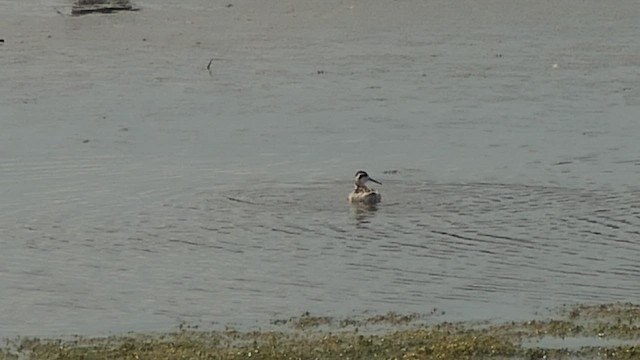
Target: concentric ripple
[(247, 253)]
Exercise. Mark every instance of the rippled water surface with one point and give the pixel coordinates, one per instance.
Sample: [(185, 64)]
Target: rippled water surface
[(138, 196)]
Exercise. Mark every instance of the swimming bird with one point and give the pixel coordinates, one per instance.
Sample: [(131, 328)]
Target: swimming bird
[(363, 194)]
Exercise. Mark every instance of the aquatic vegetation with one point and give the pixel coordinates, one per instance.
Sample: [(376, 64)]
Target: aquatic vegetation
[(308, 321), (6, 356), (322, 337)]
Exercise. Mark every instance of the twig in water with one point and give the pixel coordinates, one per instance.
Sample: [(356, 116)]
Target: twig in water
[(209, 67)]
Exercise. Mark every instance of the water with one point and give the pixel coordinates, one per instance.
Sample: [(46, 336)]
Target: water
[(138, 191)]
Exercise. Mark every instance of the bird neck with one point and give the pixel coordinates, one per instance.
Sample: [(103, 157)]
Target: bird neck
[(360, 188)]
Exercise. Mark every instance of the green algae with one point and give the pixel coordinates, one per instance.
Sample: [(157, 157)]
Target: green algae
[(7, 356), (308, 321), (321, 337)]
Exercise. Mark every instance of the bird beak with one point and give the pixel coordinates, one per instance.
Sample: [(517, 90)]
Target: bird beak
[(375, 181)]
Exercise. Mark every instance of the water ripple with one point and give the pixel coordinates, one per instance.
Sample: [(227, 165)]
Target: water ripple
[(246, 253)]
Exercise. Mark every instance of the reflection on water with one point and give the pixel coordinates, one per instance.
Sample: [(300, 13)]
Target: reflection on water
[(363, 212)]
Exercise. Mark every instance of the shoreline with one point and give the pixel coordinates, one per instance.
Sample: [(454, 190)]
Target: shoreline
[(572, 331)]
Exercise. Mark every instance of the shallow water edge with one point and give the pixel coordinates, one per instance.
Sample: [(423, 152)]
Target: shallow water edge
[(602, 331)]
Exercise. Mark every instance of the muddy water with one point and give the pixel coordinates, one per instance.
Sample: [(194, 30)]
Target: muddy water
[(139, 191)]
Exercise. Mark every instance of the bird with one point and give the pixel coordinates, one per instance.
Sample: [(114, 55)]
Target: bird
[(361, 193)]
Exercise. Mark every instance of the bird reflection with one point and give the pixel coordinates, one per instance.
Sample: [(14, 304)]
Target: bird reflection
[(363, 212)]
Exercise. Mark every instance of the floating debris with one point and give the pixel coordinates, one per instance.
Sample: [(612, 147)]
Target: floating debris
[(81, 7), (209, 67)]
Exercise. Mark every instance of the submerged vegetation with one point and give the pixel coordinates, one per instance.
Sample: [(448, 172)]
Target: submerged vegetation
[(610, 331)]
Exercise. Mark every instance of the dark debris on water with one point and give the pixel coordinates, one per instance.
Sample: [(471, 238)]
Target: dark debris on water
[(81, 7)]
